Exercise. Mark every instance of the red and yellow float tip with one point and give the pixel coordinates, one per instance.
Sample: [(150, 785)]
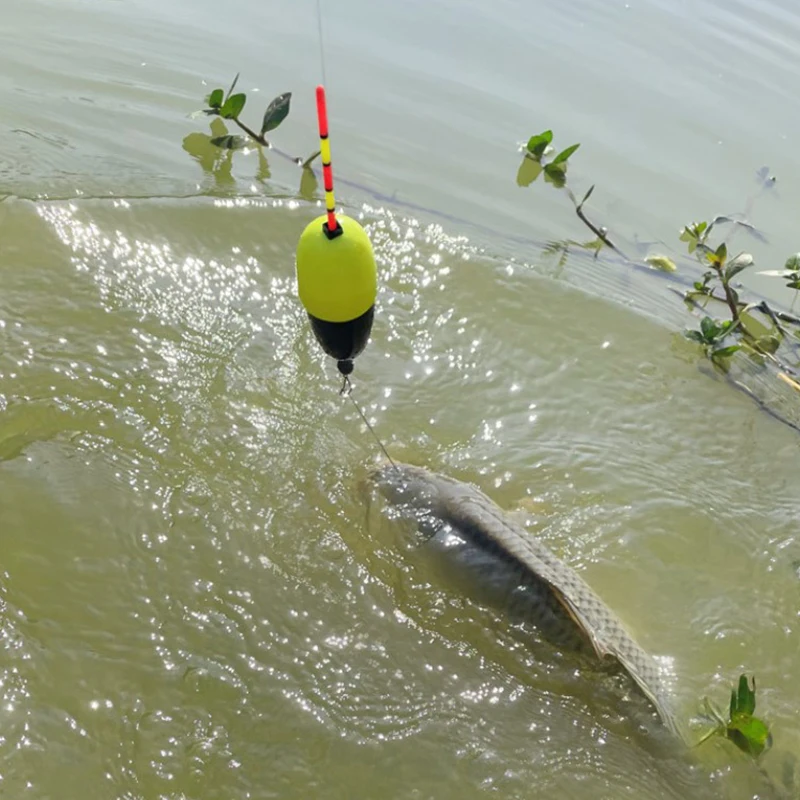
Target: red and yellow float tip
[(336, 273)]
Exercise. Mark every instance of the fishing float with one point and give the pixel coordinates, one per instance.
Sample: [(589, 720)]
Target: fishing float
[(336, 273)]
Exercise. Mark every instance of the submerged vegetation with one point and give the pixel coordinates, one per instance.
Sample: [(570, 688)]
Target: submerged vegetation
[(750, 734)]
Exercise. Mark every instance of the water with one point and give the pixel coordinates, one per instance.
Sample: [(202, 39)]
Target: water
[(193, 602)]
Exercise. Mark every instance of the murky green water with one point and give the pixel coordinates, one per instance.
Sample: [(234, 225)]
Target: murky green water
[(194, 603)]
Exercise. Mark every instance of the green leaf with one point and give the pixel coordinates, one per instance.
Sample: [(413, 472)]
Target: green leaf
[(662, 262), (233, 86), (737, 264), (721, 253), (793, 263), (750, 735), (229, 142), (725, 352), (565, 154), (695, 336), (695, 235), (709, 328), (691, 234), (556, 174), (538, 144), (587, 196), (276, 112), (233, 106), (746, 697), (214, 100)]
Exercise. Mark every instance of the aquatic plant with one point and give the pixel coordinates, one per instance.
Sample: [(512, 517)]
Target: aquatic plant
[(215, 151), (555, 173), (555, 170), (230, 106), (711, 336), (749, 733), (719, 339), (721, 274)]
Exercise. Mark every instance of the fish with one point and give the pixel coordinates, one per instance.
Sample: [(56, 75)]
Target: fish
[(518, 572)]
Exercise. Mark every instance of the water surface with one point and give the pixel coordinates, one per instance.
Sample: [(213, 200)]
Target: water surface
[(194, 602)]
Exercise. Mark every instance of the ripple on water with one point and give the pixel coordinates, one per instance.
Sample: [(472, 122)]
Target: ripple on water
[(194, 591)]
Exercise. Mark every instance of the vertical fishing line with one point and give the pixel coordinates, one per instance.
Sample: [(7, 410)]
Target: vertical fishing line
[(321, 48), (347, 386), (347, 390)]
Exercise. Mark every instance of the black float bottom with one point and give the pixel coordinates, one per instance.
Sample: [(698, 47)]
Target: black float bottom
[(344, 340)]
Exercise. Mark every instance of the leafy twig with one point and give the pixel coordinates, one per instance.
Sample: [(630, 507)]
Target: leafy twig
[(600, 233)]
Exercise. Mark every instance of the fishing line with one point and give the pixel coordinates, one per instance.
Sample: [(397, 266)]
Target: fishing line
[(336, 271), (321, 48), (347, 391)]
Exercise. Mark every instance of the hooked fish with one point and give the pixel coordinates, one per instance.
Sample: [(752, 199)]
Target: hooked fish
[(522, 574)]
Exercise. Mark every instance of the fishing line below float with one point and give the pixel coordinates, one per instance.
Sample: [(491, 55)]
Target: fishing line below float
[(336, 274), (347, 390)]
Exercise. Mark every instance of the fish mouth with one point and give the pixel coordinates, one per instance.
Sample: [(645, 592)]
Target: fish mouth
[(409, 489)]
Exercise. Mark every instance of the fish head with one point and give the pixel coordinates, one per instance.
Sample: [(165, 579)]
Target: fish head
[(406, 485), (413, 493)]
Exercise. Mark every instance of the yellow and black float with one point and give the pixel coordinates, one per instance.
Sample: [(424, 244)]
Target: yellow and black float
[(336, 274)]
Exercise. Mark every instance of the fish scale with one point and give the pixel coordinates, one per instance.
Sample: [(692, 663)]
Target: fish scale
[(565, 607)]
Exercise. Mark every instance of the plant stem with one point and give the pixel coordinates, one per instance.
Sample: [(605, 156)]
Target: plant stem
[(597, 232), (589, 224), (730, 299), (252, 134)]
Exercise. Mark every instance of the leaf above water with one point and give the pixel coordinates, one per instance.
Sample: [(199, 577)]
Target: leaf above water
[(737, 264), (276, 112), (793, 263), (556, 174), (694, 234), (726, 352), (709, 328), (214, 100), (538, 144), (717, 257), (694, 336), (565, 154), (233, 106)]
